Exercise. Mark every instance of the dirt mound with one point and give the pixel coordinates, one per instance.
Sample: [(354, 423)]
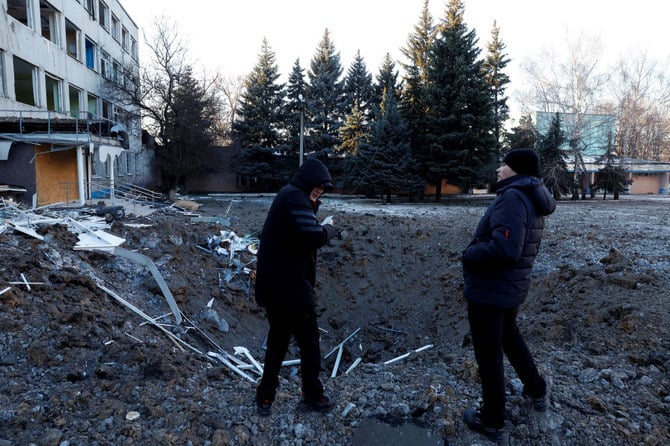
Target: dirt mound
[(83, 367)]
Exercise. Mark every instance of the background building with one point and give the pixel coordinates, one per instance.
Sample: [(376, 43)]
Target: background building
[(62, 136)]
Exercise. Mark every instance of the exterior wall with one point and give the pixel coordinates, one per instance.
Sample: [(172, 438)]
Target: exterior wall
[(447, 189), (646, 183)]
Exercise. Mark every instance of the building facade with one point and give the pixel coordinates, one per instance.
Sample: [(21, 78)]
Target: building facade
[(63, 136)]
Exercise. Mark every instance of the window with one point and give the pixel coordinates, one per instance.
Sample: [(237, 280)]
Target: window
[(106, 110), (75, 102), (116, 72), (124, 39), (19, 9), (3, 91), (49, 22), (92, 105), (105, 65), (90, 53), (90, 7), (54, 93), (71, 39), (116, 28), (130, 160), (133, 48), (25, 82), (103, 15)]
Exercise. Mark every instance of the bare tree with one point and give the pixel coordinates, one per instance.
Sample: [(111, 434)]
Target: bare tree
[(573, 84), (641, 90), (231, 88)]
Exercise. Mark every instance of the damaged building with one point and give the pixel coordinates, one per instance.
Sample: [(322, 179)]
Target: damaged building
[(64, 135)]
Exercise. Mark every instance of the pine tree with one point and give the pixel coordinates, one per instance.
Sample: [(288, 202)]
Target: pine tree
[(295, 97), (524, 135), (386, 80), (358, 88), (352, 131), (260, 119), (494, 66), (554, 169), (325, 96), (611, 177), (459, 122), (189, 131), (413, 103), (384, 163)]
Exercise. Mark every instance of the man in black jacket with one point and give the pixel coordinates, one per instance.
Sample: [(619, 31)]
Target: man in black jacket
[(285, 280), (497, 267)]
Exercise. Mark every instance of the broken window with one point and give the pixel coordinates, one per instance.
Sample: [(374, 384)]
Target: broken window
[(25, 82), (89, 6), (133, 48), (75, 102), (49, 22), (20, 10), (124, 39), (106, 110), (71, 39), (105, 65), (103, 15), (54, 93), (116, 69), (90, 53), (92, 105), (116, 28)]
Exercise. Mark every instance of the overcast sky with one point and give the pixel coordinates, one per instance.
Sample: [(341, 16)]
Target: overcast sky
[(226, 35)]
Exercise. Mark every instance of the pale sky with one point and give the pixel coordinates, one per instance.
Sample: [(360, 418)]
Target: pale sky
[(226, 35)]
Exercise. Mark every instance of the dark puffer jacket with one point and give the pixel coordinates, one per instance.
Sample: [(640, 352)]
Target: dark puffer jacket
[(498, 263), (286, 261)]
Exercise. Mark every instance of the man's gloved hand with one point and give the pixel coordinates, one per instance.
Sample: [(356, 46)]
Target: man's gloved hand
[(332, 232)]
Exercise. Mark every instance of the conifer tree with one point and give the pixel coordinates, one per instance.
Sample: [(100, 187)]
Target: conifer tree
[(260, 118), (494, 65), (352, 131), (358, 88), (384, 163), (325, 96), (553, 166), (611, 177), (459, 123), (413, 103), (296, 89), (524, 135), (386, 80), (189, 131)]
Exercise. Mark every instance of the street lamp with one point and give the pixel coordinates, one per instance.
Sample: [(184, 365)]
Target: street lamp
[(302, 127)]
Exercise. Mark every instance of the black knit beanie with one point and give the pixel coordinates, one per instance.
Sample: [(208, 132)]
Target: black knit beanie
[(523, 162)]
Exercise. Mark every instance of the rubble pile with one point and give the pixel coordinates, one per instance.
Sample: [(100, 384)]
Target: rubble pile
[(145, 330)]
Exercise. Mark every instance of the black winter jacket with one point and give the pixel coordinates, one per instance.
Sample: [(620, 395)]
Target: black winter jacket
[(286, 260), (498, 262)]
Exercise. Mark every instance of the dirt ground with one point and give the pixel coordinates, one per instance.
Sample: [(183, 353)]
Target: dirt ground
[(81, 364)]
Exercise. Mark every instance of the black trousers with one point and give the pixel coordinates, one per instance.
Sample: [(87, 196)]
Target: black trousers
[(494, 331), (302, 325)]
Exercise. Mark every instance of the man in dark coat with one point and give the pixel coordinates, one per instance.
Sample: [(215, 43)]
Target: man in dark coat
[(497, 267), (285, 280)]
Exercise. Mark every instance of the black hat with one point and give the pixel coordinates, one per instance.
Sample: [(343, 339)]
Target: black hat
[(523, 162)]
